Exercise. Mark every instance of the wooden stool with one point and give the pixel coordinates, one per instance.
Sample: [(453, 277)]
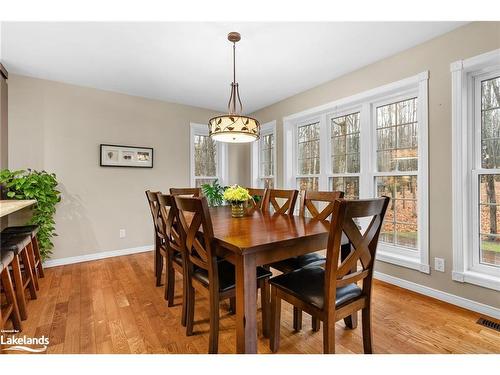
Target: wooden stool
[(35, 257), (10, 310), (23, 277)]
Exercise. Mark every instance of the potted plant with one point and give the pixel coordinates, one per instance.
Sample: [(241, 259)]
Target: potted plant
[(236, 196), (41, 186), (214, 193)]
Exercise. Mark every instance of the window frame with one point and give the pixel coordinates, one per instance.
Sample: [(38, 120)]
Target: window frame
[(255, 150), (221, 161), (467, 76), (366, 103)]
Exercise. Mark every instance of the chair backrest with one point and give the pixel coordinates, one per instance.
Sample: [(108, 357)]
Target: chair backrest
[(363, 245), (171, 226), (154, 207), (290, 197), (194, 217), (193, 192), (309, 198), (260, 194)]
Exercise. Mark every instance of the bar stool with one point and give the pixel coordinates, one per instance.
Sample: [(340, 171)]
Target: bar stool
[(35, 258), (10, 310), (18, 244)]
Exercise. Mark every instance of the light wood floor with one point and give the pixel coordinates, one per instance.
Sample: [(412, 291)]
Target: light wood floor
[(112, 306)]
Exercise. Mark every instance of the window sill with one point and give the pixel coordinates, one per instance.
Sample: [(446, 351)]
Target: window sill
[(411, 262), (477, 278)]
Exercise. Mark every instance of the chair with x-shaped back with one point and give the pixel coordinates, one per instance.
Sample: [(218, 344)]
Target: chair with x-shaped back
[(160, 252), (272, 201), (310, 203), (205, 271), (332, 293)]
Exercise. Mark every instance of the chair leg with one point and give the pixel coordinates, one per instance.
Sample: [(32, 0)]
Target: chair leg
[(31, 257), (213, 345), (184, 301), (28, 270), (170, 282), (297, 319), (38, 257), (11, 299), (351, 321), (274, 340), (190, 310), (232, 305), (316, 324), (264, 301), (18, 281), (158, 261), (328, 337), (367, 330)]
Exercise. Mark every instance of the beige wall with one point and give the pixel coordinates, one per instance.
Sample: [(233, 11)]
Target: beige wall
[(435, 56), (58, 127)]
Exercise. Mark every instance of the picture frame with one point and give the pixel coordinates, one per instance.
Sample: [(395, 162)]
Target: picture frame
[(125, 156)]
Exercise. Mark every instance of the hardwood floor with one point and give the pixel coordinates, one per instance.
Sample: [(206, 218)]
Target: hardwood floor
[(113, 306)]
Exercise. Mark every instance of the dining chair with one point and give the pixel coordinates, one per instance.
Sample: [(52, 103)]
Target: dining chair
[(273, 198), (331, 293), (260, 194), (174, 247), (10, 310), (206, 272), (309, 206), (160, 252), (193, 192)]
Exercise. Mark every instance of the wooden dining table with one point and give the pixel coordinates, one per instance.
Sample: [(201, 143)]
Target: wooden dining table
[(257, 239)]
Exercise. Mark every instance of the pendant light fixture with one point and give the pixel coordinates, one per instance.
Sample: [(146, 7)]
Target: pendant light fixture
[(234, 127)]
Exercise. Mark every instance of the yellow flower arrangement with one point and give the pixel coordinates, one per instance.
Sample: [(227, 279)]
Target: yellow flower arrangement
[(236, 194)]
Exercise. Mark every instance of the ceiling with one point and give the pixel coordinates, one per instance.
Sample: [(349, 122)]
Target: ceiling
[(190, 63)]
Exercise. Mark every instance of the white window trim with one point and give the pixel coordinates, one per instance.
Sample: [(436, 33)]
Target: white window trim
[(222, 165), (416, 86), (255, 177), (463, 74)]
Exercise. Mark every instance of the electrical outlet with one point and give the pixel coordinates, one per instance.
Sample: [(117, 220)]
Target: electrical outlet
[(123, 233), (439, 264)]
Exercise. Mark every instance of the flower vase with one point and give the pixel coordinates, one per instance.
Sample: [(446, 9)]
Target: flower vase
[(237, 209)]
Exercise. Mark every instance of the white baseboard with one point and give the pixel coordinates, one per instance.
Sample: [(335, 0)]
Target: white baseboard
[(96, 256), (468, 304)]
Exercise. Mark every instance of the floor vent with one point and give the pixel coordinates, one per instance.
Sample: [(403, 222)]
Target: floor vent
[(489, 324)]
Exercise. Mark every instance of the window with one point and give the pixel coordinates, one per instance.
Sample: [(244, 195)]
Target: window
[(476, 170), (308, 157), (207, 157), (345, 154), (263, 160), (368, 145), (397, 164)]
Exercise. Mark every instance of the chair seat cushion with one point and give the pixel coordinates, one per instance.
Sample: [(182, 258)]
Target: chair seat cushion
[(308, 284), (295, 263), (227, 275), (177, 258), (23, 229), (15, 242), (6, 258)]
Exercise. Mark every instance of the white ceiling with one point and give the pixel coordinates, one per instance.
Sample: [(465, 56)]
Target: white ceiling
[(190, 63)]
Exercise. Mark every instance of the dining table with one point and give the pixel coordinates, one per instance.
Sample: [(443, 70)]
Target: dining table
[(257, 239)]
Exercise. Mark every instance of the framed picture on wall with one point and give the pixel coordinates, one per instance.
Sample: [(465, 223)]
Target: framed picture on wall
[(125, 156)]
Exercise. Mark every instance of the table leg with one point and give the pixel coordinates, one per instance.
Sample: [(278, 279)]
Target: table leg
[(246, 305)]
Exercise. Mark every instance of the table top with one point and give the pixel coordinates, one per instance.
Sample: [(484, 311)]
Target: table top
[(259, 230), (10, 206)]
